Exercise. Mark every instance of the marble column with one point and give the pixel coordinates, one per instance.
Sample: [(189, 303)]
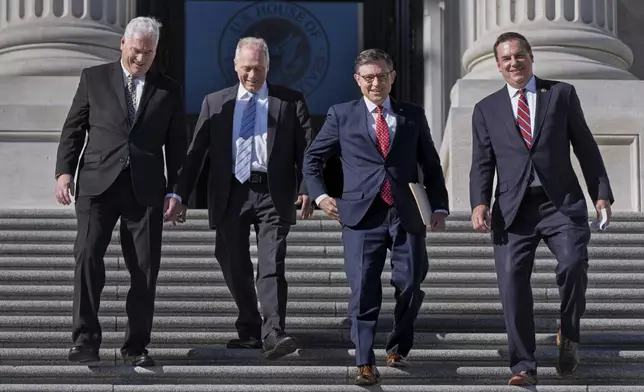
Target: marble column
[(571, 39), (60, 37), (44, 45)]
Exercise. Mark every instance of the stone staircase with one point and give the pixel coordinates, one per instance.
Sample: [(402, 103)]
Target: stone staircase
[(460, 341)]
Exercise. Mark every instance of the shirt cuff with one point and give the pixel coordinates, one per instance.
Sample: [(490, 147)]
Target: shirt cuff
[(443, 211), (320, 198), (174, 195)]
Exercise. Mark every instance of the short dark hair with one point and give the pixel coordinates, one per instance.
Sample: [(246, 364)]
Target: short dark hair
[(370, 56), (511, 36)]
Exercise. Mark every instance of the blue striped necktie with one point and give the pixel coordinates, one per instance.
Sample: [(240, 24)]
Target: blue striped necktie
[(245, 148)]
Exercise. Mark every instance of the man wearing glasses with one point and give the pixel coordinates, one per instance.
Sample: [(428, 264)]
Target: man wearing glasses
[(380, 142)]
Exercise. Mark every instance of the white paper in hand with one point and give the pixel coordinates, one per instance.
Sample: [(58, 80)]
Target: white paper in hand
[(600, 225), (420, 195)]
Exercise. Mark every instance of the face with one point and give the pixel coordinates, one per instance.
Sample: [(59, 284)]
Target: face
[(138, 53), (514, 63), (375, 80), (251, 66)]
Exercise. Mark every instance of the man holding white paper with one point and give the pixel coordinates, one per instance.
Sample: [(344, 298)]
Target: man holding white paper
[(524, 132), (380, 142)]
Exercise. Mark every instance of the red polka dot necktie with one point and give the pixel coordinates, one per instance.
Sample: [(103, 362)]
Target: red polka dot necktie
[(382, 135)]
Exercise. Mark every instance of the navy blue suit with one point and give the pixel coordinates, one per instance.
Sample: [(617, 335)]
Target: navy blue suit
[(369, 225), (524, 213)]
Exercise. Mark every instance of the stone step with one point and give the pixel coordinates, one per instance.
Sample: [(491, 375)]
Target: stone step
[(326, 326), (317, 356), (174, 237), (303, 226), (323, 325), (319, 308), (274, 374), (202, 214), (330, 337), (314, 251), (311, 388), (317, 279), (310, 264), (313, 293)]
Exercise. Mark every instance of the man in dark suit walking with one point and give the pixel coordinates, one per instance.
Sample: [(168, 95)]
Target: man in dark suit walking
[(524, 132), (255, 134), (127, 115), (380, 142)]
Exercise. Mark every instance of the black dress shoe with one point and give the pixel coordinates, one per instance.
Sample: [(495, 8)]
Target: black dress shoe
[(278, 344), (138, 359), (244, 343), (568, 356), (83, 354)]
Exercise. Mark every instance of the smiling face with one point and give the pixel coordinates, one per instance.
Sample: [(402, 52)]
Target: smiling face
[(137, 53), (375, 80), (514, 62), (251, 66)]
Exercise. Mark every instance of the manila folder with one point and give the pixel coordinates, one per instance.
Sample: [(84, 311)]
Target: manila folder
[(420, 195)]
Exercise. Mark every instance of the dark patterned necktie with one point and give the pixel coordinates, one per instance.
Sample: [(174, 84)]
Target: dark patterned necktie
[(130, 95)]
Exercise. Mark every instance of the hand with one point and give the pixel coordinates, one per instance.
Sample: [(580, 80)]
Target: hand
[(330, 208), (64, 189), (603, 204), (481, 220), (307, 206), (174, 211), (438, 221)]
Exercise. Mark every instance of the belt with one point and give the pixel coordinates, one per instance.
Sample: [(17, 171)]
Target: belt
[(257, 177), (535, 191)]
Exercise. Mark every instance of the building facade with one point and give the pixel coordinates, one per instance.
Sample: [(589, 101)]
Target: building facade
[(442, 51)]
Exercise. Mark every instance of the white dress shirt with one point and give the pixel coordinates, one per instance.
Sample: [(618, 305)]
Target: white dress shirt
[(259, 155), (531, 96), (390, 119), (139, 82)]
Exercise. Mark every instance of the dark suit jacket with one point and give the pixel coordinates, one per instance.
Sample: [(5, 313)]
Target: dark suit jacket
[(100, 112), (289, 130), (559, 123), (346, 133)]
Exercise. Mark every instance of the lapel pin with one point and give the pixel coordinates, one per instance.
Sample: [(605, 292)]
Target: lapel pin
[(543, 90)]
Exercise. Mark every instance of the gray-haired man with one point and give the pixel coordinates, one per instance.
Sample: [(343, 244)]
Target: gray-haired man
[(127, 114), (255, 134)]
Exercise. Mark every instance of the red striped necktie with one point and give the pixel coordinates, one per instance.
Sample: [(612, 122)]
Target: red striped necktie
[(523, 118)]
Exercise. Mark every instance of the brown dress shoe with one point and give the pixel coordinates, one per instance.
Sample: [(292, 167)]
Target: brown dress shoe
[(524, 379), (367, 375), (568, 356), (396, 361)]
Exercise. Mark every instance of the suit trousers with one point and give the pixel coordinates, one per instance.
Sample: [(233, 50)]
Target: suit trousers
[(514, 254), (251, 204), (365, 252), (140, 233)]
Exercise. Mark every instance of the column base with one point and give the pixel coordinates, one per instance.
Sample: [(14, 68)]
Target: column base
[(613, 111), (31, 118)]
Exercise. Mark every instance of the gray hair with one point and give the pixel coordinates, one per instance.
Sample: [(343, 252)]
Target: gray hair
[(143, 26), (371, 56), (258, 43)]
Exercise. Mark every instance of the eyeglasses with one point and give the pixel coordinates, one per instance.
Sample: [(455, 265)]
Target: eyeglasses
[(382, 78)]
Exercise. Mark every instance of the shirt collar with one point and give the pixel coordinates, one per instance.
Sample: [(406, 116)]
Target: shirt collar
[(372, 106), (531, 86), (126, 73), (242, 93)]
